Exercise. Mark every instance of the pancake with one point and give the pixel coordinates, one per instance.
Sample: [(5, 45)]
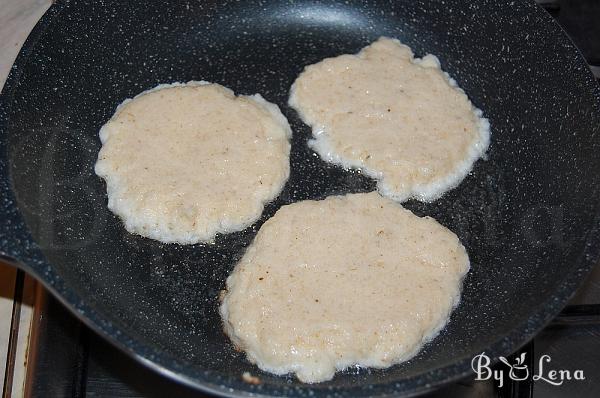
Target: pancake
[(399, 119), (183, 162), (349, 280)]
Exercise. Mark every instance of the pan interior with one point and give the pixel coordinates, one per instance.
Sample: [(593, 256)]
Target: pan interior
[(522, 214)]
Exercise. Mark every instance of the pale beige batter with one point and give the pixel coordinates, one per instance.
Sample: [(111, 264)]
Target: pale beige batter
[(184, 162), (400, 119), (349, 280)]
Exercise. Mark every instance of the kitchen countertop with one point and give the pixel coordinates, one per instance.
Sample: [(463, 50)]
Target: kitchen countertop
[(17, 18)]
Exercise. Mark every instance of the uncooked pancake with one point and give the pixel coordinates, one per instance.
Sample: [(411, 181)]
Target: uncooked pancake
[(399, 119), (349, 280), (183, 162)]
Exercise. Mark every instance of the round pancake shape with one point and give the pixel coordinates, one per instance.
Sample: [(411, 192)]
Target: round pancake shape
[(399, 119), (183, 162), (348, 280)]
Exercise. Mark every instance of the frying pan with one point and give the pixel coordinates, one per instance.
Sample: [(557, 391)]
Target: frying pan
[(528, 214)]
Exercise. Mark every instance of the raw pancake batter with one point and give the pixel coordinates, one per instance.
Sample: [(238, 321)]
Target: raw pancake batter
[(183, 162), (400, 119), (349, 280)]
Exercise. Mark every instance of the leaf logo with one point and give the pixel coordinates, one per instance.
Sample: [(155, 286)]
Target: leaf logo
[(519, 371)]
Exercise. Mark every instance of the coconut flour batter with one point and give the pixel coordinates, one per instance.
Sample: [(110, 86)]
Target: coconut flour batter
[(400, 119), (349, 280), (183, 162)]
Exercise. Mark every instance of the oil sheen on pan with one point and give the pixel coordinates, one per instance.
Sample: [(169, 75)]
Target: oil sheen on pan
[(399, 119)]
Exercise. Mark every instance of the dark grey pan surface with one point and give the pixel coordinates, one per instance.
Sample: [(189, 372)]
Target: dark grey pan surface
[(528, 215)]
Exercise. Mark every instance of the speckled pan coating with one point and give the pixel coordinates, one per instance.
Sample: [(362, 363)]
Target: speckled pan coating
[(528, 215)]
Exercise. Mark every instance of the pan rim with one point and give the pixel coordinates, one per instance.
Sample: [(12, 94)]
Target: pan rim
[(174, 368)]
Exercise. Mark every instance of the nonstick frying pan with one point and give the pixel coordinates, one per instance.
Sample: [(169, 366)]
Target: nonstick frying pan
[(528, 214)]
